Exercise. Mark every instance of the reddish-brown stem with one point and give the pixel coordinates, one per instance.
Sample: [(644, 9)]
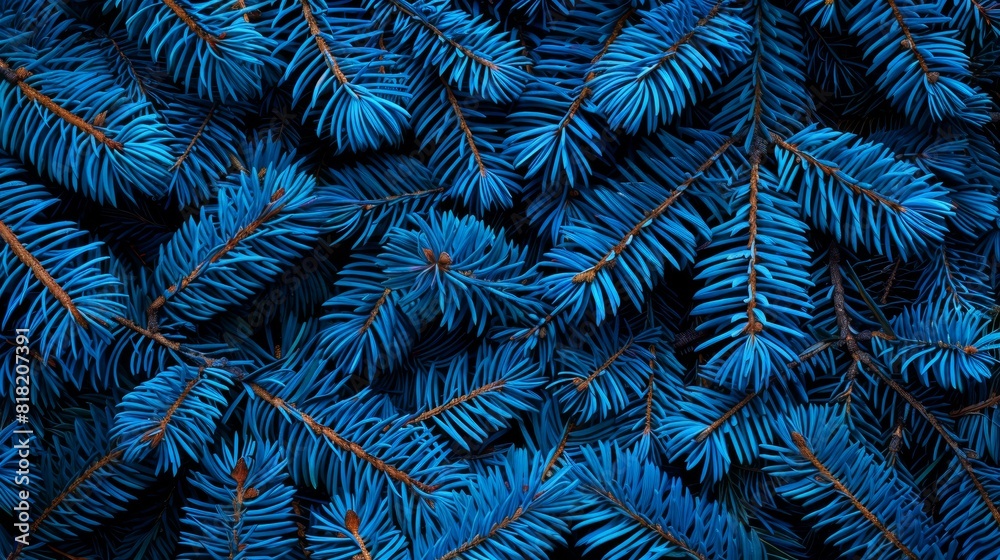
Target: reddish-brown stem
[(156, 337), (441, 36), (189, 21), (974, 408), (272, 210), (331, 61), (243, 493), (338, 441), (156, 435), (480, 539), (591, 273), (489, 387), (131, 67), (753, 325), (301, 528), (807, 453), (582, 384), (374, 312), (559, 450), (353, 524), (62, 554), (862, 357), (100, 464), (194, 140), (702, 435), (464, 127), (889, 282), (910, 44), (837, 175), (672, 50), (18, 77), (648, 525), (41, 274), (585, 92)]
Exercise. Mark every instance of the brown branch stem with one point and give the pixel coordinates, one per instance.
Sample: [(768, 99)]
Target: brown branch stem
[(808, 454), (338, 441), (18, 77), (189, 21), (702, 435), (646, 524), (201, 130), (480, 539), (862, 357), (838, 175), (41, 274), (582, 384), (464, 127), (591, 273), (489, 387)]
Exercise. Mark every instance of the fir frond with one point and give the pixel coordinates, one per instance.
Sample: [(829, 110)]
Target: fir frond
[(243, 509), (666, 63), (348, 85), (755, 321), (204, 44), (638, 511), (892, 206)]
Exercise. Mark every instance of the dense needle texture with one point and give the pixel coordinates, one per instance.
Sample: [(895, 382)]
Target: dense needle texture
[(500, 279)]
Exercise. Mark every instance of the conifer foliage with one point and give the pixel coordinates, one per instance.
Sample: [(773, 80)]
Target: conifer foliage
[(501, 280)]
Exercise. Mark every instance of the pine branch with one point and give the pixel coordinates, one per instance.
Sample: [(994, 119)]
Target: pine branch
[(590, 274), (655, 528), (41, 274), (333, 437), (101, 463), (825, 473), (194, 140), (17, 78), (860, 356), (725, 417)]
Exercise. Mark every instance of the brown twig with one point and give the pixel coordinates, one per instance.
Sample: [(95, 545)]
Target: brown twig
[(41, 274), (18, 77), (464, 127), (441, 36), (374, 312), (353, 524), (582, 384), (586, 91), (156, 337), (839, 176), (861, 357), (591, 273), (480, 539), (189, 21), (559, 450), (317, 35), (825, 473), (753, 326), (974, 408), (156, 435), (672, 50), (338, 441), (100, 464), (489, 387), (911, 45), (201, 130), (702, 435), (269, 212), (646, 524)]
